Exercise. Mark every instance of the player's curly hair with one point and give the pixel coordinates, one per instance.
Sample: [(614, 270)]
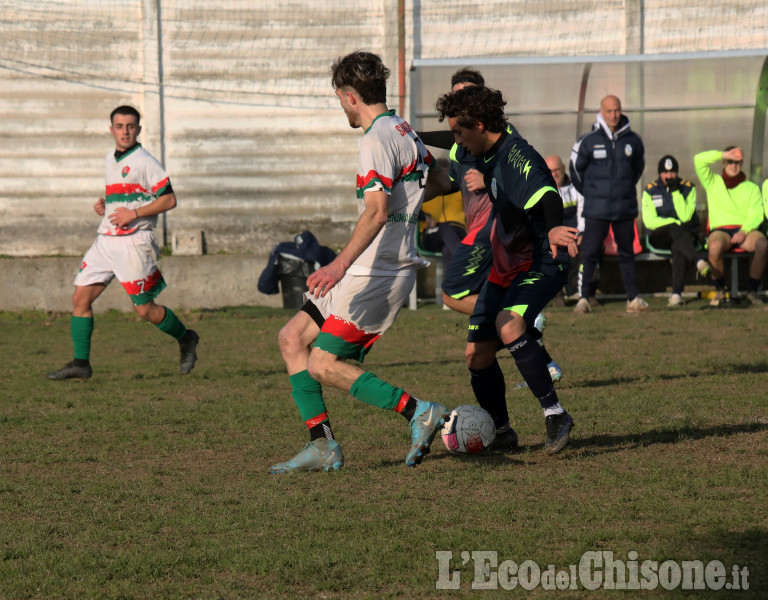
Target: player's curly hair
[(472, 105), (364, 72), (467, 75)]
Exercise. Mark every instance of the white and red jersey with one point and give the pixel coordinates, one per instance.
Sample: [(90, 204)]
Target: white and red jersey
[(133, 180), (392, 159)]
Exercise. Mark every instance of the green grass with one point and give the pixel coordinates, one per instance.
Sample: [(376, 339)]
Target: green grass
[(141, 483)]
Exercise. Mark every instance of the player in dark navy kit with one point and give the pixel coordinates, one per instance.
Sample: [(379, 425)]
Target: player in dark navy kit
[(531, 251)]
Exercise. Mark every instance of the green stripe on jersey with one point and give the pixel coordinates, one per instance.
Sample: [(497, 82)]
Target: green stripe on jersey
[(136, 197)]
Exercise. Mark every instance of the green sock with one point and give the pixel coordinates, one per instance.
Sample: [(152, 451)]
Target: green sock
[(171, 325), (308, 395), (370, 389), (81, 329)]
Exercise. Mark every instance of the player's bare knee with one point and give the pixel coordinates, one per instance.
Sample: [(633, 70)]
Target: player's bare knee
[(510, 325), (79, 304), (143, 310), (761, 246), (479, 356), (320, 366), (287, 340)]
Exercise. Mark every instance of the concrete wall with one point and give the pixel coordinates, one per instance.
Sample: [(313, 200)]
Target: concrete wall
[(193, 282), (236, 96), (236, 99)]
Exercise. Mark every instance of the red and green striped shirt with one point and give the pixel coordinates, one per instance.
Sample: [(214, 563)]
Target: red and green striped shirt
[(133, 180)]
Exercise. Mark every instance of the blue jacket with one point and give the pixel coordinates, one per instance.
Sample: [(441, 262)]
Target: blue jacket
[(605, 168), (304, 247)]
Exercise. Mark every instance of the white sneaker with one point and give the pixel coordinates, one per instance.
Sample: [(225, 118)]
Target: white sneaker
[(718, 298), (636, 305), (754, 298), (582, 306), (675, 300), (703, 267)]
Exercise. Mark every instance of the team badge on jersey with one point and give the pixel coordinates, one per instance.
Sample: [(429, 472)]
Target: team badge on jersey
[(125, 171), (628, 150)]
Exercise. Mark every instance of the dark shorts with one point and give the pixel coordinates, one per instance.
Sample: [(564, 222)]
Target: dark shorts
[(468, 270), (731, 230), (527, 295)]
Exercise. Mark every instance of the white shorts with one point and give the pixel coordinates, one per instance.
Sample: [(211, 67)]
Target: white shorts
[(358, 310), (130, 258)]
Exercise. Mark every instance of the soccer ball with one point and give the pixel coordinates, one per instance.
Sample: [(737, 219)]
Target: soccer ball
[(469, 428)]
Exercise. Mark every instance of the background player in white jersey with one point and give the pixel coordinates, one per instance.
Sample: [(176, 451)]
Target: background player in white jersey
[(137, 190), (355, 298)]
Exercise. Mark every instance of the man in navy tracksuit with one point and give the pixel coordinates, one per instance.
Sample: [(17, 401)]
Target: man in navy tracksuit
[(606, 165)]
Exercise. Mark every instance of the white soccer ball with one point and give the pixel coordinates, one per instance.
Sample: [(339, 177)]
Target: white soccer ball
[(469, 429)]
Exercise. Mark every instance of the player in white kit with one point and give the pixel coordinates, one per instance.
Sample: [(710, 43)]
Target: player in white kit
[(355, 298), (137, 190)]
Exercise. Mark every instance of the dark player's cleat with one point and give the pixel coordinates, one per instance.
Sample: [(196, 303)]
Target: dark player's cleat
[(427, 420), (72, 371), (187, 347), (319, 455), (558, 430), (506, 438)]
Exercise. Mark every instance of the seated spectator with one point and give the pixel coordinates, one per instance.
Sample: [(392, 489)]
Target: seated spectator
[(764, 228), (735, 214), (442, 225), (669, 215)]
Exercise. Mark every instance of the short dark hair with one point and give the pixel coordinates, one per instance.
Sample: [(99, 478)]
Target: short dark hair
[(467, 75), (472, 105), (125, 110), (364, 72)]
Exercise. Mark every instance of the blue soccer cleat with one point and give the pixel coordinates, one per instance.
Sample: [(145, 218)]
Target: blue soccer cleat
[(555, 372), (427, 420), (319, 455)]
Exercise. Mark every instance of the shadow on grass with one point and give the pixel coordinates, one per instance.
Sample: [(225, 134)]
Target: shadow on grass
[(724, 369), (600, 444), (487, 458), (749, 550)]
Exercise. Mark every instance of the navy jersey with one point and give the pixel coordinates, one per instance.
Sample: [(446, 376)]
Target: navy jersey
[(517, 177)]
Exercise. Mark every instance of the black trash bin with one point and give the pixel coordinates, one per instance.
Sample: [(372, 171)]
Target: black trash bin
[(292, 273)]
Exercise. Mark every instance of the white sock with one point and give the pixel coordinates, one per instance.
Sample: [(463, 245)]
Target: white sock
[(555, 409)]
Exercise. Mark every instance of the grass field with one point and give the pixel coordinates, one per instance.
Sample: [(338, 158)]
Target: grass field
[(141, 483)]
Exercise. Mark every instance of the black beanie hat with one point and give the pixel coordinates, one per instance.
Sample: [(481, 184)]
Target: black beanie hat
[(668, 163)]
